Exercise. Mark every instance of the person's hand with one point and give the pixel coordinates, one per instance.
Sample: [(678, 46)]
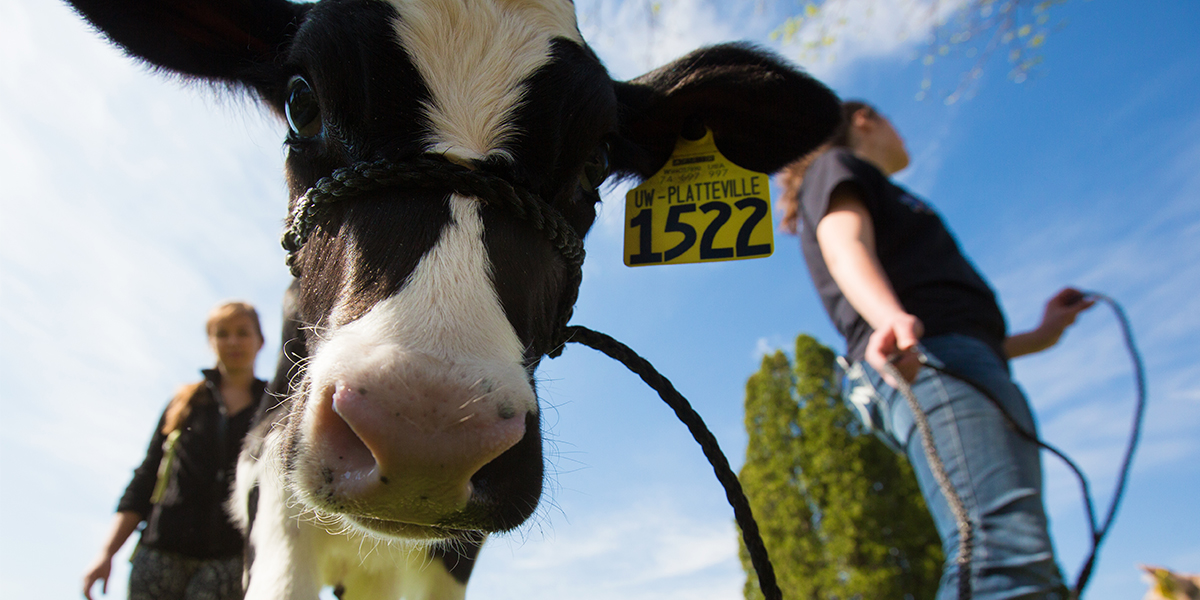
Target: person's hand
[(98, 572), (894, 343), (1060, 313)]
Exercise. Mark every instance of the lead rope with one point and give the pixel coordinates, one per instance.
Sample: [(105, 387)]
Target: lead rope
[(1098, 531), (966, 537), (708, 443)]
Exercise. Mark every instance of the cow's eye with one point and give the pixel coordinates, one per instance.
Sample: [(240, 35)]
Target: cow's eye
[(303, 112), (596, 169)]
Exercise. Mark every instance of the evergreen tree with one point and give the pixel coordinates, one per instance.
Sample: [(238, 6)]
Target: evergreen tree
[(840, 513)]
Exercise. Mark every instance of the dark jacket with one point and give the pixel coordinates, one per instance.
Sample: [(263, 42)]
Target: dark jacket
[(190, 519)]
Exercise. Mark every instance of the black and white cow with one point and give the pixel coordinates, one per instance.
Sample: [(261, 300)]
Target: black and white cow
[(410, 428)]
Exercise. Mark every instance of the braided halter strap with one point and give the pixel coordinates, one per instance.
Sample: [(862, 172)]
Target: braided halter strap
[(434, 172)]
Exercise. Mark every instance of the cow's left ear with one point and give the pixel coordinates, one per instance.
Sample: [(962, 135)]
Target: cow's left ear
[(237, 42), (763, 112)]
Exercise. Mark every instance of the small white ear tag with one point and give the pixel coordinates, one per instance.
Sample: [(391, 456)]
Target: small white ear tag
[(699, 208)]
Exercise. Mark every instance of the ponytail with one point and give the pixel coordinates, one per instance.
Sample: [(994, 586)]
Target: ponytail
[(180, 407)]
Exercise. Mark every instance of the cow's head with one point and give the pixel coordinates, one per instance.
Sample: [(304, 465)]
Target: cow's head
[(427, 309)]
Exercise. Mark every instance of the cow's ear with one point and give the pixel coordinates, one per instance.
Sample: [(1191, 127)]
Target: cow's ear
[(763, 112), (229, 41)]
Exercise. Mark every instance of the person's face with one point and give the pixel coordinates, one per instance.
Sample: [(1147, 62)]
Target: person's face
[(892, 144), (235, 341), (879, 139)]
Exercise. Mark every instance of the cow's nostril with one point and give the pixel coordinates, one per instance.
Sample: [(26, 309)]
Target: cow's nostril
[(511, 484), (506, 410), (352, 454)]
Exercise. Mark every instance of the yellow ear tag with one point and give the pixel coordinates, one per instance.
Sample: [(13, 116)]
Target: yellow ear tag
[(699, 208)]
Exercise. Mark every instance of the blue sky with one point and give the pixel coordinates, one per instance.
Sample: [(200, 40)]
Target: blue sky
[(132, 203)]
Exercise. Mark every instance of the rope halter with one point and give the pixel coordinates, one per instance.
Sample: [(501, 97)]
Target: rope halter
[(434, 172)]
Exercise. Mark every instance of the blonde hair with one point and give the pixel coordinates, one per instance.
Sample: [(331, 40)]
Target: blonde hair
[(180, 406), (791, 177)]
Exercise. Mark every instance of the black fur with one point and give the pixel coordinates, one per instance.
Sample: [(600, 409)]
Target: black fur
[(763, 112), (458, 557)]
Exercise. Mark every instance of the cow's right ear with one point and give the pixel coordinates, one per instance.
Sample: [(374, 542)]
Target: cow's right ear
[(764, 113), (229, 41)]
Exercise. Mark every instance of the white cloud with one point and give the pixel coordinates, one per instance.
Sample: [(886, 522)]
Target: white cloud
[(844, 32), (766, 346), (762, 348), (635, 36), (632, 38)]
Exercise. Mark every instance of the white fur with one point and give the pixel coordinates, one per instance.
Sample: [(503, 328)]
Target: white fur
[(448, 309), (297, 554), (473, 55)]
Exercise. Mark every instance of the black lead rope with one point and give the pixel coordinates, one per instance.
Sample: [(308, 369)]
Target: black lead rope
[(708, 443), (1098, 533)]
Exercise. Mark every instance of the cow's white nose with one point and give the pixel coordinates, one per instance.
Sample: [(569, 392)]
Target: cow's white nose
[(405, 448)]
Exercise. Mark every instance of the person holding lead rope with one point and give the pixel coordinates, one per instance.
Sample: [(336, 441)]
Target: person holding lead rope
[(900, 291)]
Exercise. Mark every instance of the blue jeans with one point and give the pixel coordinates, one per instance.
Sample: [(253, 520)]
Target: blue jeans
[(997, 473)]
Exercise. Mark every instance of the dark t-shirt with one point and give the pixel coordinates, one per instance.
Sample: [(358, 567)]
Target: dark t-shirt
[(191, 519), (932, 279)]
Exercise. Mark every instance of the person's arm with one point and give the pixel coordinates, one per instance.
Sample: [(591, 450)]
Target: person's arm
[(131, 510), (137, 494), (1060, 312), (846, 236), (123, 526)]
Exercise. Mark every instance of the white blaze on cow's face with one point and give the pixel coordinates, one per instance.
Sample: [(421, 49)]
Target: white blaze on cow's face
[(473, 57)]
